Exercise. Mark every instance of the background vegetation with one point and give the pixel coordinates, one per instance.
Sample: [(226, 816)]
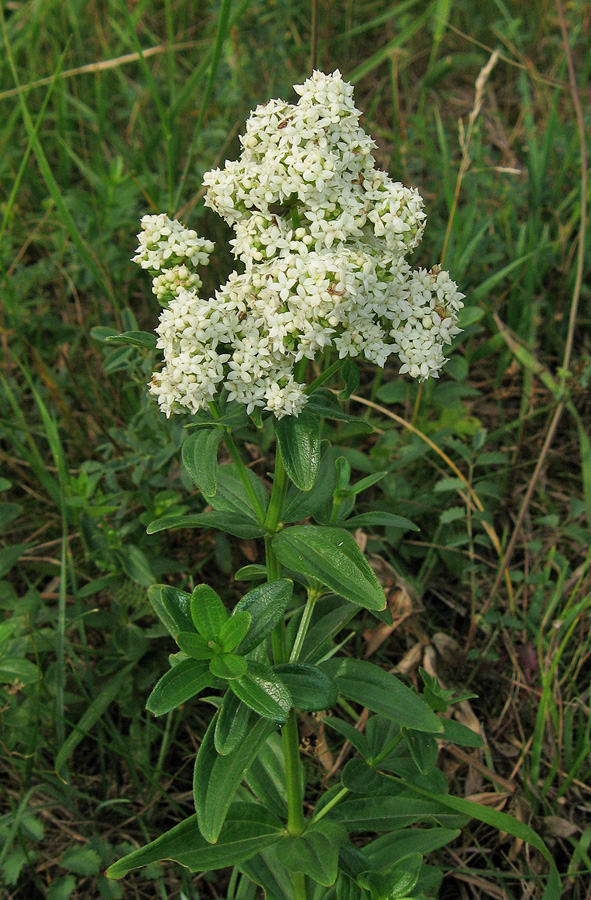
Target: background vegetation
[(492, 462)]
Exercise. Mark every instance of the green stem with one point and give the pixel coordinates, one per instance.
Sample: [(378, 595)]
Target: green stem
[(278, 494), (304, 625), (328, 373), (240, 467)]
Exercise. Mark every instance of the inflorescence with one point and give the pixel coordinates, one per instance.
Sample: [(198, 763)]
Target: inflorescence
[(323, 237)]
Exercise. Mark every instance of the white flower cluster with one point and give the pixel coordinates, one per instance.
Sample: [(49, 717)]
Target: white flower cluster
[(323, 237)]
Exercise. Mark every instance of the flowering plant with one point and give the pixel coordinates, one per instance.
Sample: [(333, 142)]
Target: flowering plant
[(323, 238)]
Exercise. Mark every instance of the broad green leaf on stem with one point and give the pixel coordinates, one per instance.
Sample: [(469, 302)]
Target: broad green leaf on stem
[(356, 738), (384, 849), (435, 781), (144, 339), (389, 520), (217, 778), (200, 457), (173, 608), (502, 822), (456, 733), (183, 681), (228, 665), (387, 813), (231, 723), (232, 523), (396, 882), (91, 716), (331, 556), (263, 690), (266, 776), (423, 749), (231, 495), (15, 668), (381, 692), (299, 505), (234, 630), (315, 852), (311, 689), (360, 778), (9, 557), (350, 375), (194, 645), (266, 605), (299, 444), (208, 612), (273, 878), (248, 829)]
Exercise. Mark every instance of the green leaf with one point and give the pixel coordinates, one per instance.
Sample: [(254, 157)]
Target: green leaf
[(360, 778), (274, 879), (234, 630), (200, 457), (370, 519), (194, 645), (173, 608), (82, 860), (16, 668), (217, 778), (423, 749), (231, 495), (266, 605), (263, 691), (183, 681), (350, 375), (91, 716), (228, 665), (233, 523), (231, 724), (324, 403), (381, 692), (456, 733), (331, 556), (384, 849), (315, 852), (311, 689), (378, 813), (435, 781), (266, 776), (330, 615), (9, 556), (298, 438), (248, 829), (144, 339), (350, 733), (396, 882), (208, 612), (299, 504)]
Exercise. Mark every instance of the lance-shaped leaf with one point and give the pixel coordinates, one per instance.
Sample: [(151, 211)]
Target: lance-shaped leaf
[(388, 813), (173, 608), (231, 724), (299, 505), (248, 829), (233, 523), (315, 852), (264, 871), (266, 776), (217, 778), (234, 630), (264, 691), (299, 444), (265, 604), (144, 339), (200, 456), (311, 689), (381, 692), (228, 665), (208, 612), (231, 495), (194, 645), (331, 556), (180, 683)]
